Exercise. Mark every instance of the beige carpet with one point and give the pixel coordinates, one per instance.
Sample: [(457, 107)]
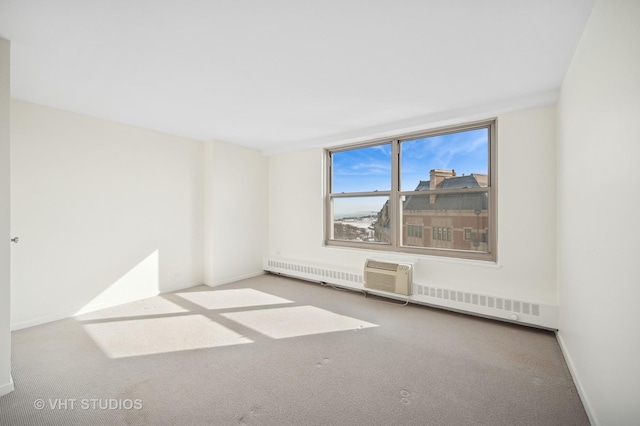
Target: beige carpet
[(277, 351)]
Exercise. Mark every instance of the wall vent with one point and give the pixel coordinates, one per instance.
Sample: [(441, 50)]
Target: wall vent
[(315, 273), (387, 276), (539, 315), (515, 306)]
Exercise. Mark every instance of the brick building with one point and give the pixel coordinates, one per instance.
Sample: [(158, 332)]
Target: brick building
[(447, 221)]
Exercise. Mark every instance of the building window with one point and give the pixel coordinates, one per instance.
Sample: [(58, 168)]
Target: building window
[(442, 234), (442, 179), (414, 231)]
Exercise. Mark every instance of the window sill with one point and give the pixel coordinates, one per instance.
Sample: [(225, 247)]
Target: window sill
[(402, 253)]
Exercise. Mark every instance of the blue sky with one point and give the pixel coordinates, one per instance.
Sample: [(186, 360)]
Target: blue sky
[(369, 169), (364, 169), (465, 152)]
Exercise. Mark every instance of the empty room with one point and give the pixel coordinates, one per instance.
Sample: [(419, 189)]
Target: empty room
[(319, 213)]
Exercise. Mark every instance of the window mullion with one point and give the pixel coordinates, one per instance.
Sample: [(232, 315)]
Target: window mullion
[(328, 202), (396, 228)]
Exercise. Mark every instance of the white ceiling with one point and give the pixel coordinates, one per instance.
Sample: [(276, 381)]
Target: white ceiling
[(281, 74)]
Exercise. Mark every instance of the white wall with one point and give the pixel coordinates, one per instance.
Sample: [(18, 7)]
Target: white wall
[(6, 384), (105, 213), (599, 209), (236, 212), (526, 216)]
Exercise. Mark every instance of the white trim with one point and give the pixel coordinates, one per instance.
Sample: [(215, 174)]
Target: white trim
[(7, 387), (413, 257), (88, 308), (216, 283), (79, 311), (98, 306), (352, 278), (576, 379), (42, 320)]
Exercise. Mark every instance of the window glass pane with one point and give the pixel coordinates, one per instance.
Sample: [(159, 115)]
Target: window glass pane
[(414, 230), (361, 219), (362, 169), (444, 167), (450, 221), (455, 160)]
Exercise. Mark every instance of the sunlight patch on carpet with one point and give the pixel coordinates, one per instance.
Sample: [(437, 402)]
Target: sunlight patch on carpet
[(119, 339), (232, 298), (280, 323), (152, 306)]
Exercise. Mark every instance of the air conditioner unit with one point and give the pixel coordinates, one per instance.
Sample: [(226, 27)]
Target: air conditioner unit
[(387, 276)]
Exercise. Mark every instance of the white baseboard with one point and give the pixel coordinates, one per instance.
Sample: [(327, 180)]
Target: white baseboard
[(79, 311), (7, 387), (98, 306), (90, 308), (499, 307), (576, 379), (42, 320), (234, 279)]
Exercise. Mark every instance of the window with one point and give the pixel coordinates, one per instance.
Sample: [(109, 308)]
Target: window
[(442, 234), (414, 231), (385, 194)]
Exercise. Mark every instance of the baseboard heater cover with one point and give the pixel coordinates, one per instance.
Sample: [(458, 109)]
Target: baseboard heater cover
[(506, 309)]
